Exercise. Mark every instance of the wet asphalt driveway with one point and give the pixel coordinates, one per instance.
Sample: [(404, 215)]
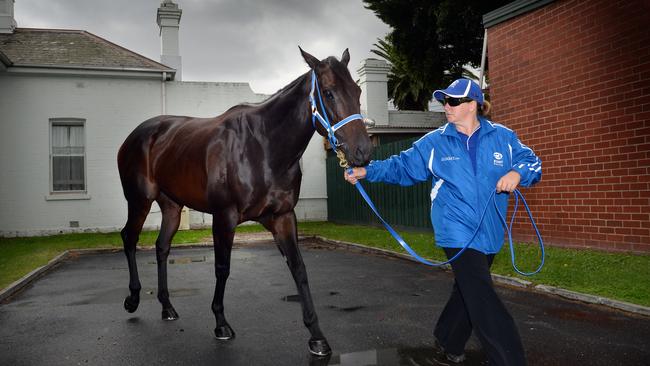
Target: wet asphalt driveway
[(374, 310)]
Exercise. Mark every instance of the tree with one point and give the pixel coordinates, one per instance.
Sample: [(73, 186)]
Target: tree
[(430, 43), (405, 86)]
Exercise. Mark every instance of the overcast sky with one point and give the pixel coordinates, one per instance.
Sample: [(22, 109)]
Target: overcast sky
[(253, 41)]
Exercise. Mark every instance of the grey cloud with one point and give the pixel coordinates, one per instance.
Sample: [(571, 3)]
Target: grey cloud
[(224, 40)]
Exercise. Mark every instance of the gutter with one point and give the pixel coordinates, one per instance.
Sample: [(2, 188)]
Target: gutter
[(85, 71), (512, 10), (95, 68), (5, 62), (163, 94)]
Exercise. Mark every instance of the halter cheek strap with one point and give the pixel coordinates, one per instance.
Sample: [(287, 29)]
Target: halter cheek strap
[(324, 121)]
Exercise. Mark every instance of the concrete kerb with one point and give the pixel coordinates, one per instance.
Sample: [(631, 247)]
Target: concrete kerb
[(32, 276), (20, 284)]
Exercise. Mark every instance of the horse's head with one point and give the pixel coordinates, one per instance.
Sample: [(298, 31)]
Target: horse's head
[(335, 96)]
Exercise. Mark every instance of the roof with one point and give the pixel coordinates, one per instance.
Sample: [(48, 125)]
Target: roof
[(409, 122), (62, 48)]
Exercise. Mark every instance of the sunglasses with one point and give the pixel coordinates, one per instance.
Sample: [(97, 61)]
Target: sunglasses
[(455, 102)]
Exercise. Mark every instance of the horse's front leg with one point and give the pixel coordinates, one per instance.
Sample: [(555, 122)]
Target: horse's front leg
[(285, 232), (223, 232)]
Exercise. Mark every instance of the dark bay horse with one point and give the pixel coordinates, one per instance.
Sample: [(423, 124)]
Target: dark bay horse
[(242, 165)]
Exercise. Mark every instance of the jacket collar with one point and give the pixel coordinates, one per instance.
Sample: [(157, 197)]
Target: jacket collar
[(486, 127)]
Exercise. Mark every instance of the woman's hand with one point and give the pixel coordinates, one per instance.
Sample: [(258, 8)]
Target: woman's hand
[(355, 176), (509, 182)]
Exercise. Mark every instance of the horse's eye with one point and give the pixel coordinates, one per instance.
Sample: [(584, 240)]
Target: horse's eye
[(329, 95)]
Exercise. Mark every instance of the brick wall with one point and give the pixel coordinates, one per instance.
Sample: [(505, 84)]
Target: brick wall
[(573, 79)]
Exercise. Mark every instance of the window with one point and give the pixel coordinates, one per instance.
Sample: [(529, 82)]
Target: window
[(68, 155)]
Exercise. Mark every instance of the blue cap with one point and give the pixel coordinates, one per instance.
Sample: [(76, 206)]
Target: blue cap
[(459, 89)]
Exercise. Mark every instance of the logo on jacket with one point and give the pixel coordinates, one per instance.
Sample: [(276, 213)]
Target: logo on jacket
[(450, 158), (498, 158)]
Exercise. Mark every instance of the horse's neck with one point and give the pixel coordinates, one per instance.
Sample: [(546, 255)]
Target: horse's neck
[(288, 121)]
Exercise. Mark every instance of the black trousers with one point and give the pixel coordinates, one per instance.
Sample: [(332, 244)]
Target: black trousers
[(474, 304)]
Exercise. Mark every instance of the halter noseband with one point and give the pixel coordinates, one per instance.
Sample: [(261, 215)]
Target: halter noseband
[(324, 121)]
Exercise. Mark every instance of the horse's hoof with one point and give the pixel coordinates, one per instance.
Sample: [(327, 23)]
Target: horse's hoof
[(130, 304), (319, 360), (319, 347), (224, 332), (169, 314)]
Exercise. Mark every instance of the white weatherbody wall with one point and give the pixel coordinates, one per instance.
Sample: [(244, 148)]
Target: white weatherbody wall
[(112, 106)]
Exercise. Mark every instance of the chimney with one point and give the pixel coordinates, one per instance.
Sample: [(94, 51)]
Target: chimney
[(373, 80), (7, 21), (168, 19)]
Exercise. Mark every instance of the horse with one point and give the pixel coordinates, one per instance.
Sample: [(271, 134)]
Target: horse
[(243, 165)]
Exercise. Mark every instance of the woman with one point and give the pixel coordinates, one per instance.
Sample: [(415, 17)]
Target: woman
[(467, 159)]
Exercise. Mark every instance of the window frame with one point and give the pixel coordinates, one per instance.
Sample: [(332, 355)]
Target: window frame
[(80, 193)]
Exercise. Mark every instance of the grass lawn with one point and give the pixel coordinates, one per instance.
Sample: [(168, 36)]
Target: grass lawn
[(618, 276)]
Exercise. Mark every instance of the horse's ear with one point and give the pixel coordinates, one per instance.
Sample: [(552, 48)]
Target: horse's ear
[(312, 61), (346, 57)]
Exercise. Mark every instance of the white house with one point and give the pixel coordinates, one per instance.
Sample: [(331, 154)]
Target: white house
[(68, 99)]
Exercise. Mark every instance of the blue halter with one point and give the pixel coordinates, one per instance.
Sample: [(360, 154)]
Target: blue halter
[(324, 121)]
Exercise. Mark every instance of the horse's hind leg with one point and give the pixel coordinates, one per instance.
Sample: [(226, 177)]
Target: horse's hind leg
[(285, 232), (223, 231), (171, 218), (138, 210)]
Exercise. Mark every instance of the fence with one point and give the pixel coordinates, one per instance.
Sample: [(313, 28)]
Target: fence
[(401, 206)]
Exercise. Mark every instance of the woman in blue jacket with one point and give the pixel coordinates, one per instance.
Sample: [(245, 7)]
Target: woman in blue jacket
[(467, 159)]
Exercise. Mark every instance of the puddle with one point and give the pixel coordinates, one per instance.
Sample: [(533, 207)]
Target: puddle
[(573, 314), (117, 295), (296, 298), (183, 260), (411, 356), (291, 298), (242, 255), (347, 309)]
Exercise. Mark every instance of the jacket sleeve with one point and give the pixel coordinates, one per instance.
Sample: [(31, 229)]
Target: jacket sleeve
[(407, 168), (525, 162)]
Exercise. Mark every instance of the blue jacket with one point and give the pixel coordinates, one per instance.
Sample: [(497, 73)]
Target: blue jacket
[(458, 196)]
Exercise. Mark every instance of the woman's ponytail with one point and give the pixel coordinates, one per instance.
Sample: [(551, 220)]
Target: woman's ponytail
[(485, 108)]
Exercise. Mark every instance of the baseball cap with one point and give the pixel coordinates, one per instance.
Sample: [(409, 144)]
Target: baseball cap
[(461, 88)]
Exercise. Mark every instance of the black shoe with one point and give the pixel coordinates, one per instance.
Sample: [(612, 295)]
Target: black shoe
[(449, 356)]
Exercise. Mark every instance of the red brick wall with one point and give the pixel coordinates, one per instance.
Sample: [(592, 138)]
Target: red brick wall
[(573, 79)]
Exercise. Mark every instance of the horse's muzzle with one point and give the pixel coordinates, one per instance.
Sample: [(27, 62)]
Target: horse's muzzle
[(357, 156)]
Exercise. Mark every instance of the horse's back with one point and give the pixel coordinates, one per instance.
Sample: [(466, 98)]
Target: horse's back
[(168, 153)]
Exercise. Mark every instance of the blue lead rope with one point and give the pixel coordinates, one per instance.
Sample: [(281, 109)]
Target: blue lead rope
[(503, 221)]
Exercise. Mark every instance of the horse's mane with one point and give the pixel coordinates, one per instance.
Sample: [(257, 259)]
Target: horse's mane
[(331, 61), (273, 96)]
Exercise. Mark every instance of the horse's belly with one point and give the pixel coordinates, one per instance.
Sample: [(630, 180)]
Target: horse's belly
[(267, 207), (188, 196)]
